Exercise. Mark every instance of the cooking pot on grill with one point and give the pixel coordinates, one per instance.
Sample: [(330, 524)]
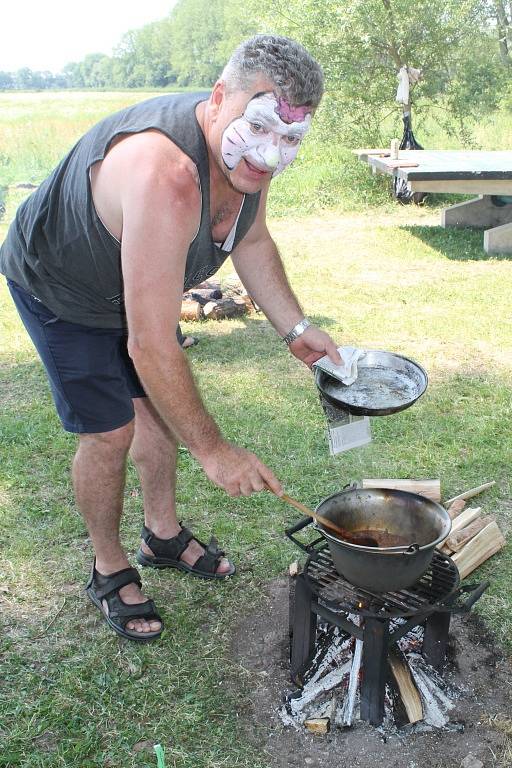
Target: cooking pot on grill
[(407, 527)]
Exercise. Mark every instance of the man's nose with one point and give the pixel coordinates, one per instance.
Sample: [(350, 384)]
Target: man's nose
[(271, 156)]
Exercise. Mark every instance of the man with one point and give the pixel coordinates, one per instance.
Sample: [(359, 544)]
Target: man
[(148, 203)]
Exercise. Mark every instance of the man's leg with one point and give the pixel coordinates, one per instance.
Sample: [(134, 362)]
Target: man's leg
[(153, 451), (99, 478)]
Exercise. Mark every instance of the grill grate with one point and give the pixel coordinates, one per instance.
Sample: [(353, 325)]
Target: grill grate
[(434, 587)]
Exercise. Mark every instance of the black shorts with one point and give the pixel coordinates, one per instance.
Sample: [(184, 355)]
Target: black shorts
[(92, 377)]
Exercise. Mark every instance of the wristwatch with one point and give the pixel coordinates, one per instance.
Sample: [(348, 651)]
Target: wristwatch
[(296, 331)]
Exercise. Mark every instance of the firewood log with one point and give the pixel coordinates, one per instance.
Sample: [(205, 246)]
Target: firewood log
[(191, 310), (317, 724), (406, 686), (481, 547), (429, 488), (465, 518), (457, 540), (224, 308), (456, 508)]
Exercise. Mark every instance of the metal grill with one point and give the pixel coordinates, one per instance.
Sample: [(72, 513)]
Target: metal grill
[(434, 588)]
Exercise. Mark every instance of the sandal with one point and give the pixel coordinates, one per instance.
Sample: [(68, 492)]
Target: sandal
[(167, 553), (107, 588)]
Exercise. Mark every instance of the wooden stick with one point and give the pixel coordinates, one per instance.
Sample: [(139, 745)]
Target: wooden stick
[(406, 686), (353, 537), (457, 540), (472, 492), (429, 488), (485, 544)]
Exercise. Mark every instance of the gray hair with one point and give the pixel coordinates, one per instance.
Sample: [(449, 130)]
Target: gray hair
[(286, 63)]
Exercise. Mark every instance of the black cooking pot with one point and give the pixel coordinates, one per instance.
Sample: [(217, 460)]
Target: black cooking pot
[(407, 528)]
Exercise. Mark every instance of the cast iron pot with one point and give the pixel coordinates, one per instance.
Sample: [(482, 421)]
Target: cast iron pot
[(414, 522)]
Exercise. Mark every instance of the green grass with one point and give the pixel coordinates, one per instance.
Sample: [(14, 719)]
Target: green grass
[(71, 693)]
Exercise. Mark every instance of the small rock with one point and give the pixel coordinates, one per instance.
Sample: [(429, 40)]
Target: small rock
[(140, 746), (471, 761)]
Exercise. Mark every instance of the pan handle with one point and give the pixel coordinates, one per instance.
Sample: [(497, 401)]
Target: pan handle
[(309, 548), (476, 591)]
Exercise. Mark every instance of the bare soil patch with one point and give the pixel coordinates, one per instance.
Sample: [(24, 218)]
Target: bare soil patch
[(475, 666)]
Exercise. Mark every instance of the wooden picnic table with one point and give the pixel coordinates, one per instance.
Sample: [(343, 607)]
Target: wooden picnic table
[(487, 174)]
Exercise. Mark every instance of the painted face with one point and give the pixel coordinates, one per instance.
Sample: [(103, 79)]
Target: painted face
[(268, 134)]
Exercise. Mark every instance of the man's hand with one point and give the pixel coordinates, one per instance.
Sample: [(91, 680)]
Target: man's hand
[(237, 471), (313, 344)]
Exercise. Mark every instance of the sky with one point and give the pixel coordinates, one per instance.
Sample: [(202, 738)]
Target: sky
[(47, 34)]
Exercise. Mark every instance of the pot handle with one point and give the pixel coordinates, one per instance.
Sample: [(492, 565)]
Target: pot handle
[(309, 548)]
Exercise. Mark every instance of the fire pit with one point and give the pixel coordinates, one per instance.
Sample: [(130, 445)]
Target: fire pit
[(378, 620)]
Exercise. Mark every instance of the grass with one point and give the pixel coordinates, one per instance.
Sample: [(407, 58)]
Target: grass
[(71, 693)]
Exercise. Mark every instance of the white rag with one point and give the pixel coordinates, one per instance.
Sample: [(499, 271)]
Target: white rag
[(347, 372)]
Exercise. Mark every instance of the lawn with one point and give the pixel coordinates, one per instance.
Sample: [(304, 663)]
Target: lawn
[(74, 695)]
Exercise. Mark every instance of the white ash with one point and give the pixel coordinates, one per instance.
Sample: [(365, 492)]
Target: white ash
[(353, 684), (332, 690), (436, 703)]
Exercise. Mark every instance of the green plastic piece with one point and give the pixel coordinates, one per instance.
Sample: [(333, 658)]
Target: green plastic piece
[(159, 751)]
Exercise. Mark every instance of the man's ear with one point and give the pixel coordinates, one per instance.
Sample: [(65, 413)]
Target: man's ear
[(217, 98)]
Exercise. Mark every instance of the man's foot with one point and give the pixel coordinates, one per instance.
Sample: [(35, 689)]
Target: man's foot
[(174, 546), (118, 596)]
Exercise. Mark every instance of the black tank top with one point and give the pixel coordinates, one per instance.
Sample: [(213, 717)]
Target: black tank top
[(57, 247)]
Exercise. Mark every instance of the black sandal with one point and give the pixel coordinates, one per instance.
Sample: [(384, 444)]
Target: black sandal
[(107, 588), (167, 553)]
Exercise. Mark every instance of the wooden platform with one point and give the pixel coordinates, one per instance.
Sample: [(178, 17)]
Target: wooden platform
[(484, 173)]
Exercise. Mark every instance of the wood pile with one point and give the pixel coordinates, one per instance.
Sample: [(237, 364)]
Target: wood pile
[(474, 537), (210, 300)]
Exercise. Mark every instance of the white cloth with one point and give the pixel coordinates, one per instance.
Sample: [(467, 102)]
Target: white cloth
[(347, 372), (407, 76)]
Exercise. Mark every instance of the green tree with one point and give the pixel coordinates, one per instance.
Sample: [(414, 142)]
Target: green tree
[(362, 44), (204, 33)]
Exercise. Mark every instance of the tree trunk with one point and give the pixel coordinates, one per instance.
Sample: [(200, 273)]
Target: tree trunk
[(504, 28)]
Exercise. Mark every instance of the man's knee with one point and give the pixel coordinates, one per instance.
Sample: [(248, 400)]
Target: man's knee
[(116, 442)]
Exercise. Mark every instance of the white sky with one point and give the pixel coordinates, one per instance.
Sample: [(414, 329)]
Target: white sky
[(47, 34)]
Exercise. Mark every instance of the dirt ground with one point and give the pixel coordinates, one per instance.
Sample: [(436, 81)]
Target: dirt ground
[(478, 723)]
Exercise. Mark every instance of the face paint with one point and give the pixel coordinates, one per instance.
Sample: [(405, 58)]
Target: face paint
[(268, 134)]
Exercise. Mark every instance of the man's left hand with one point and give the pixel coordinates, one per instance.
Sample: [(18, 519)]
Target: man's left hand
[(313, 344)]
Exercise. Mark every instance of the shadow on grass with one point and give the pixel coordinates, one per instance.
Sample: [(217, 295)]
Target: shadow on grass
[(455, 244)]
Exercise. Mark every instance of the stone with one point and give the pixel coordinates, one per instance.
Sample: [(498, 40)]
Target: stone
[(471, 761)]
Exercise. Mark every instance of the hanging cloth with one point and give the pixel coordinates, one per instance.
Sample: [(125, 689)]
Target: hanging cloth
[(407, 76)]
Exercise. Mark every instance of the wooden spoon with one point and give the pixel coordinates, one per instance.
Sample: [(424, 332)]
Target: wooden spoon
[(351, 536)]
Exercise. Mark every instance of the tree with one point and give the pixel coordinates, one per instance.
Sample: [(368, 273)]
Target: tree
[(204, 33), (501, 11), (361, 45)]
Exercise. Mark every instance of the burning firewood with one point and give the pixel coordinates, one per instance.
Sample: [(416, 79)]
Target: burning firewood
[(411, 699)]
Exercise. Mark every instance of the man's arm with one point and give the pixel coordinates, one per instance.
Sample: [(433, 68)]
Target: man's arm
[(161, 207), (259, 266)]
